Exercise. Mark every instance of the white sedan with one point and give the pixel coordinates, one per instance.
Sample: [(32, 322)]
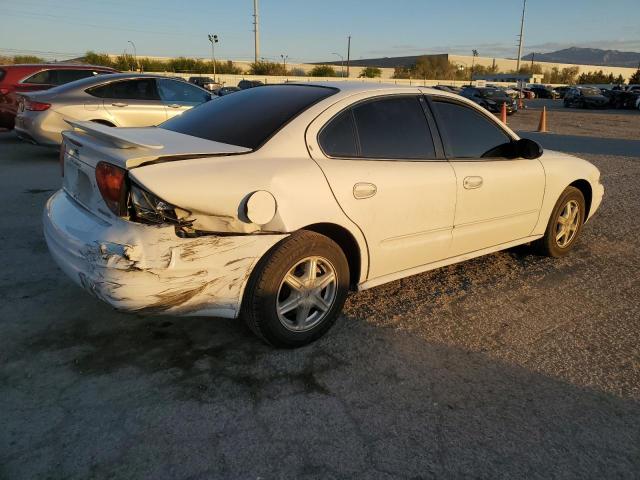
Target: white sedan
[(272, 203)]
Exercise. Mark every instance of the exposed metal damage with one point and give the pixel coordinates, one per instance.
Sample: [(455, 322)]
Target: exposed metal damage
[(205, 275)]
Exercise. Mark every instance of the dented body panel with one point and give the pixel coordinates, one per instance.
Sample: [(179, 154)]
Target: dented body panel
[(145, 269)]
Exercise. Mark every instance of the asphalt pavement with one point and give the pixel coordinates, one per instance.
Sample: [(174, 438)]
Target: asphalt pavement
[(507, 366)]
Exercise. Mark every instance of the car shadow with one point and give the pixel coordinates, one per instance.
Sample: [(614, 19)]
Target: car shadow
[(363, 401)]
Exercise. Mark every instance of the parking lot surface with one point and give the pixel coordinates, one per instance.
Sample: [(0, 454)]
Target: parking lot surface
[(507, 366)]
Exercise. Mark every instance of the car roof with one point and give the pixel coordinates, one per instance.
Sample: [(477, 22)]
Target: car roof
[(56, 65)]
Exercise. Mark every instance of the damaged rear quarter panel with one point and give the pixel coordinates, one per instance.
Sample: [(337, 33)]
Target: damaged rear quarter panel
[(148, 269)]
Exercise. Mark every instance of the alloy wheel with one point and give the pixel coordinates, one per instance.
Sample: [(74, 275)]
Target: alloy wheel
[(567, 224), (306, 294)]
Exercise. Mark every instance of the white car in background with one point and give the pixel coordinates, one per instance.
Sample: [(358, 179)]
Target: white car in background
[(115, 100), (273, 202)]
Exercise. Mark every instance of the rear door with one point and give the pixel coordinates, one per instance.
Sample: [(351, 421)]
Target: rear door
[(179, 96), (389, 177), (132, 103), (498, 199)]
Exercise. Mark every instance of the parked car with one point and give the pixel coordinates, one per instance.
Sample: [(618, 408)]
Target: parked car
[(18, 79), (585, 97), (222, 91), (543, 91), (117, 100), (244, 84), (272, 202), (562, 90), (207, 83), (491, 99)]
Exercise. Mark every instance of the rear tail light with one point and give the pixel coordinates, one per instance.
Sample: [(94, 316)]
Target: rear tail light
[(36, 106), (112, 186)]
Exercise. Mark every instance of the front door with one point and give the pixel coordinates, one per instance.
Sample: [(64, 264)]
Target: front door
[(498, 199), (179, 96), (389, 178)]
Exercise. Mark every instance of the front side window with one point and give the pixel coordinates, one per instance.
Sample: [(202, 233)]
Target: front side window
[(467, 133), (66, 76), (172, 91)]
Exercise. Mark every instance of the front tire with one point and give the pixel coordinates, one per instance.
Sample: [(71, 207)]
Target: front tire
[(565, 224), (297, 290)]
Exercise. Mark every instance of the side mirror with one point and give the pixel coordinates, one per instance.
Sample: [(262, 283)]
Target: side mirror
[(529, 149)]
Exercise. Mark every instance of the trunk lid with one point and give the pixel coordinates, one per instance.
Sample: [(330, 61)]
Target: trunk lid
[(90, 143)]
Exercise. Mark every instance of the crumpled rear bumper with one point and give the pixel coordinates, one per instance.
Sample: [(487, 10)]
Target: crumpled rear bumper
[(148, 269)]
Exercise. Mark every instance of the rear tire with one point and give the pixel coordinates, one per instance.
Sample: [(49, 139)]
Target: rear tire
[(297, 290), (565, 224)]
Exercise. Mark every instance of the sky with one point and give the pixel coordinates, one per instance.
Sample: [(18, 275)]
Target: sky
[(311, 31)]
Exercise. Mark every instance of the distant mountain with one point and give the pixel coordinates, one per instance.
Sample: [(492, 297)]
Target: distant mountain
[(589, 56)]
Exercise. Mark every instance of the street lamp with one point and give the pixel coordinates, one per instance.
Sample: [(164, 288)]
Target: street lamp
[(135, 54), (284, 62), (341, 63), (213, 39), (474, 52)]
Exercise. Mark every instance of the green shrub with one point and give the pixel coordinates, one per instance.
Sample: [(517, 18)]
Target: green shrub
[(370, 72), (322, 71)]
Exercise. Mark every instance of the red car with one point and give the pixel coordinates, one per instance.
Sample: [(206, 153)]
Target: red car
[(17, 79)]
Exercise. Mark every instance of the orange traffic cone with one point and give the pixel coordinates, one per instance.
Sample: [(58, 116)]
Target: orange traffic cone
[(542, 126), (503, 113)]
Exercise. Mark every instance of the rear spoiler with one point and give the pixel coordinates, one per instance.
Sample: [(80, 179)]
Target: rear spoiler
[(119, 137)]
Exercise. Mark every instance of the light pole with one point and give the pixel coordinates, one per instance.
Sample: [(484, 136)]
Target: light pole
[(284, 62), (135, 54), (341, 63), (524, 6), (213, 39), (473, 61)]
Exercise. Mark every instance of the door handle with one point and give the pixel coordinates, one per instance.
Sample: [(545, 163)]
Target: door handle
[(364, 190), (119, 104), (472, 182)]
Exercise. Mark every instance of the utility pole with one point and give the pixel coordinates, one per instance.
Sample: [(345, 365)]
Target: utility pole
[(213, 39), (284, 62), (348, 53), (524, 6), (256, 31), (135, 54)]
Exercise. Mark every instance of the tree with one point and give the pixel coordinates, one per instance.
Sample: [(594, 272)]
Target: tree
[(264, 67), (635, 78), (27, 59), (596, 77), (370, 72), (101, 59), (322, 71), (401, 72)]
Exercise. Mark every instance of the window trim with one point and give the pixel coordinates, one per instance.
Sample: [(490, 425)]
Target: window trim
[(441, 98), (120, 80), (438, 148)]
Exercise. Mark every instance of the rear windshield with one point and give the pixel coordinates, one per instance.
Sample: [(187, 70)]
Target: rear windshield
[(249, 117)]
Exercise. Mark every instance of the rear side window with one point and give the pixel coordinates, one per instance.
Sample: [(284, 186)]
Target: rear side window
[(138, 89), (338, 138), (394, 127), (248, 118), (467, 133), (44, 77)]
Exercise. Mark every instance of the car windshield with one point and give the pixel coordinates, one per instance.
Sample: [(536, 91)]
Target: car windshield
[(492, 93), (249, 117), (590, 92)]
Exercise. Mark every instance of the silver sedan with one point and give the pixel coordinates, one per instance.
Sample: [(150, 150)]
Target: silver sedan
[(116, 100)]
